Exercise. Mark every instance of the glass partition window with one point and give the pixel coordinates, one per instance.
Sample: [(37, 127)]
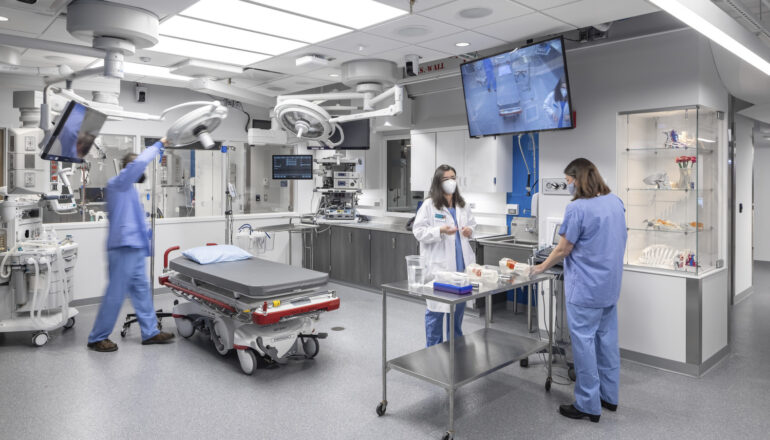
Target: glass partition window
[(400, 196)]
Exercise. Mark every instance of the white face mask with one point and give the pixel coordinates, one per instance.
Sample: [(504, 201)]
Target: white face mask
[(449, 186), (564, 92)]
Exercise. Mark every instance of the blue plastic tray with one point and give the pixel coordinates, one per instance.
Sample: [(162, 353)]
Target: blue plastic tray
[(451, 288)]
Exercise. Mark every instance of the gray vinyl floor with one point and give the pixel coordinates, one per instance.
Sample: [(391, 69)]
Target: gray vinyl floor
[(186, 390)]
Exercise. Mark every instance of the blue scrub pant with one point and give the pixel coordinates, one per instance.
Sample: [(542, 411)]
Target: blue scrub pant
[(128, 273), (434, 321), (596, 354)]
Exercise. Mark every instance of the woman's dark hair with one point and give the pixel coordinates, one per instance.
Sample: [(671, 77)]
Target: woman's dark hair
[(128, 158), (588, 181), (557, 96), (437, 193)]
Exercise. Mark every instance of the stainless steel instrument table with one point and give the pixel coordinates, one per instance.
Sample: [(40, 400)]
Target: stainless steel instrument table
[(455, 363)]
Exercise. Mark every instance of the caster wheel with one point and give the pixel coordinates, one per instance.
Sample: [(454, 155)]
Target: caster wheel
[(40, 339), (160, 326), (123, 334), (176, 302), (248, 360), (524, 363), (571, 374), (184, 327), (381, 408), (70, 323), (548, 384), (448, 436), (310, 346)]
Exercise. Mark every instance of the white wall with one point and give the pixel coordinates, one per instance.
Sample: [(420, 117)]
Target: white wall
[(744, 176), (761, 198)]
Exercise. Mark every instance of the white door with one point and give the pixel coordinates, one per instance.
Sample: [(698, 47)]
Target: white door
[(481, 164), (450, 150), (423, 157)]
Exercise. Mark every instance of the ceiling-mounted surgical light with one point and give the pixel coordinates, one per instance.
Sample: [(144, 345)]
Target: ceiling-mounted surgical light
[(708, 19)]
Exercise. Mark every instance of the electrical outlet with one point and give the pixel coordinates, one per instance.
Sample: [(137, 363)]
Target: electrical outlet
[(512, 209), (554, 186), (259, 198)]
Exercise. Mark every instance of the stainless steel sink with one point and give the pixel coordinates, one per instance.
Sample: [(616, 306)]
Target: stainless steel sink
[(505, 240)]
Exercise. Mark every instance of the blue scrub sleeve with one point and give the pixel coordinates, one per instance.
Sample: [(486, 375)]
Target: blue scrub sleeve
[(570, 227)]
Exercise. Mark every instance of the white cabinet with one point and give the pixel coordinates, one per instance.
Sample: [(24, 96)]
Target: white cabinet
[(483, 165), (423, 160)]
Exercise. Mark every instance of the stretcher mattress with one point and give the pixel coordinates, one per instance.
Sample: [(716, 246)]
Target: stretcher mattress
[(254, 277)]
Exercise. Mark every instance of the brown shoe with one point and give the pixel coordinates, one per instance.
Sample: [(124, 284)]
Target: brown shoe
[(104, 346), (160, 338)]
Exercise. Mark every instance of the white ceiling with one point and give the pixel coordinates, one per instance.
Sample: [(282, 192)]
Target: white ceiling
[(431, 31)]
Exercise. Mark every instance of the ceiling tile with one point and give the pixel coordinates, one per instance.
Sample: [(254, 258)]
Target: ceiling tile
[(419, 6), (591, 12), (43, 58), (23, 21), (362, 44), (259, 76), (356, 14), (471, 14), (324, 74), (528, 26), (425, 54), (414, 29), (162, 8), (286, 63), (477, 42), (289, 85), (544, 4), (156, 58)]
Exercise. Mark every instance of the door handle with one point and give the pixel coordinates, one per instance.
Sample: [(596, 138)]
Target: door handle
[(394, 242)]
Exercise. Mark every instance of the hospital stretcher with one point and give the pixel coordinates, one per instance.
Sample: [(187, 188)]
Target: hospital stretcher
[(263, 310)]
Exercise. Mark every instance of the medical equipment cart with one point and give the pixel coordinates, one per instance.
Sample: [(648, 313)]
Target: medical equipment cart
[(455, 363)]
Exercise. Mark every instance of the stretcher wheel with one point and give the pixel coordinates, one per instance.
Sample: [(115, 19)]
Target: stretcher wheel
[(184, 327), (524, 363), (310, 346), (219, 344), (381, 408), (448, 436), (39, 339), (548, 384), (70, 323), (571, 374), (248, 360)]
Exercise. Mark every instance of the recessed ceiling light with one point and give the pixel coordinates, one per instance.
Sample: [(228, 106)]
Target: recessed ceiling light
[(334, 75), (201, 51), (413, 31), (356, 14), (462, 44), (205, 32), (252, 17), (3, 18), (475, 12), (361, 48)]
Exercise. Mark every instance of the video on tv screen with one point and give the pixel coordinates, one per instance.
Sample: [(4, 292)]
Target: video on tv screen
[(74, 134), (524, 90), (356, 136), (292, 167)]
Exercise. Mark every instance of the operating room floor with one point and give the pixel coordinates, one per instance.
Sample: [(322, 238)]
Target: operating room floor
[(186, 390)]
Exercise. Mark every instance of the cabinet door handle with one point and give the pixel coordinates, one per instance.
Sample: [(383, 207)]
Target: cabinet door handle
[(350, 237), (394, 242)]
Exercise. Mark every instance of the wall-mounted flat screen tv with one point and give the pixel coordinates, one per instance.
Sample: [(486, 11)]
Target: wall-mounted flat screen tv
[(519, 91)]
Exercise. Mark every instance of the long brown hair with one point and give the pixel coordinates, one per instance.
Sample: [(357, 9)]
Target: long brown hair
[(437, 192), (588, 181)]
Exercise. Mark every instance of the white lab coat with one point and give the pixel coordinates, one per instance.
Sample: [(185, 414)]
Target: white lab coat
[(436, 247)]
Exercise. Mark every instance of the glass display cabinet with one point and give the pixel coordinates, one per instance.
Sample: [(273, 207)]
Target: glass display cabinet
[(668, 178)]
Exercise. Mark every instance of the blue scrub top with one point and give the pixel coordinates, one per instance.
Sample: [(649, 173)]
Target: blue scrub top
[(459, 260), (593, 270)]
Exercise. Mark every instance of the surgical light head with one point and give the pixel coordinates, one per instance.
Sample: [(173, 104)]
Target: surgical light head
[(196, 125)]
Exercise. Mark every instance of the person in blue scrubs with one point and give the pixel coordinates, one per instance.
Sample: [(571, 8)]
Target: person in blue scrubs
[(128, 245), (593, 240), (489, 70), (443, 226)]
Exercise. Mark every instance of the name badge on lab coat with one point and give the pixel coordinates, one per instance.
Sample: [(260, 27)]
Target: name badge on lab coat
[(440, 217)]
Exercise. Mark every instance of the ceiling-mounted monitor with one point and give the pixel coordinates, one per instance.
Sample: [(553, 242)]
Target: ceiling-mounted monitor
[(74, 134), (356, 136), (519, 91)]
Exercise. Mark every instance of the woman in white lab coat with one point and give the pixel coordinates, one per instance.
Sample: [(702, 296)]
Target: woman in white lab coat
[(556, 105), (443, 226)]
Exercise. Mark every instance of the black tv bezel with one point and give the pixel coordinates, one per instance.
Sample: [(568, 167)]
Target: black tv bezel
[(566, 77), (57, 131), (272, 166)]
